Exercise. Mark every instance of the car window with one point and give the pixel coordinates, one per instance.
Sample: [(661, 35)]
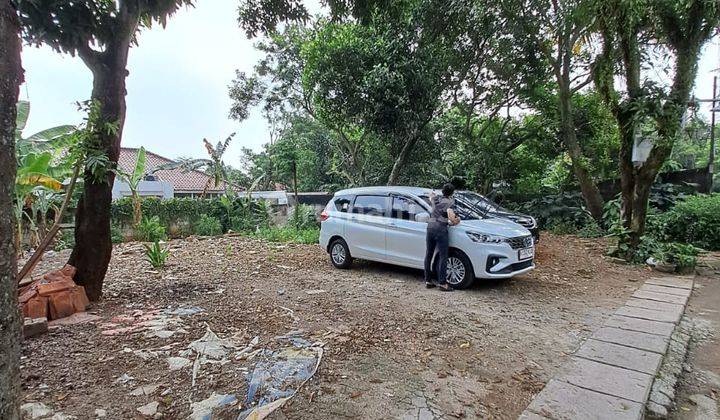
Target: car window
[(405, 208), (342, 204), (373, 205)]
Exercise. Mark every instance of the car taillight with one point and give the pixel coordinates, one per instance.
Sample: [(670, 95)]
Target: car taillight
[(324, 216)]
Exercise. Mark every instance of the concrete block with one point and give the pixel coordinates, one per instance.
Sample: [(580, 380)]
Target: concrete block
[(620, 356), (660, 297), (668, 290), (561, 400), (34, 326), (639, 340), (664, 329), (650, 314), (678, 282), (611, 380), (655, 305)]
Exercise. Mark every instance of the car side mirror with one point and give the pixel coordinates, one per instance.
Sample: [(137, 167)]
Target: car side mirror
[(422, 217)]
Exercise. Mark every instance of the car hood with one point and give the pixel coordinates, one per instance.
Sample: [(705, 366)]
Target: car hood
[(500, 227)]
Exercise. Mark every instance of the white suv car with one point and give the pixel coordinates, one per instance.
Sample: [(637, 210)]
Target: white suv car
[(388, 224)]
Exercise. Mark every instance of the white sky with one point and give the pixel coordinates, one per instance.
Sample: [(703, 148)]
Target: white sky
[(177, 87)]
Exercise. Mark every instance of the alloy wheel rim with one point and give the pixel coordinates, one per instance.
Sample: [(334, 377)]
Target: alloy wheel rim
[(338, 254), (455, 271)]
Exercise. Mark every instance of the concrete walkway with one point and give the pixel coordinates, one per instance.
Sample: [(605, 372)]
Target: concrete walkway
[(610, 376)]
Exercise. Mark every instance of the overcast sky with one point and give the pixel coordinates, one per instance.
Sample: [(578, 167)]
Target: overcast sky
[(177, 87)]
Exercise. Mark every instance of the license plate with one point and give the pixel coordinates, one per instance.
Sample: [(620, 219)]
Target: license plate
[(526, 253)]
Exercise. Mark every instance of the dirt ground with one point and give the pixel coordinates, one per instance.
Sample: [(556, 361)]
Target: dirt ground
[(392, 349), (698, 393)]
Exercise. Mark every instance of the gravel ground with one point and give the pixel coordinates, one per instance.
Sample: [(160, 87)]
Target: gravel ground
[(393, 349)]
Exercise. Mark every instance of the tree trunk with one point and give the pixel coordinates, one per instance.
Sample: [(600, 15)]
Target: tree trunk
[(401, 160), (137, 209), (11, 76), (590, 191), (93, 245)]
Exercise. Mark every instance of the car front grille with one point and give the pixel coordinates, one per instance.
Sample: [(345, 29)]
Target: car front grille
[(515, 267), (520, 242)]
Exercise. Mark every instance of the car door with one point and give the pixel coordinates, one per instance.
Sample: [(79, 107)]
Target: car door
[(405, 237), (365, 230)]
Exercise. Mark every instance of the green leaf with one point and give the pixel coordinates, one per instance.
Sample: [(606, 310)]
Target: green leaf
[(53, 133), (23, 112), (139, 171)]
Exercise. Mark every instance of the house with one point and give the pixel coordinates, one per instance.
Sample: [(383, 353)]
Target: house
[(166, 183)]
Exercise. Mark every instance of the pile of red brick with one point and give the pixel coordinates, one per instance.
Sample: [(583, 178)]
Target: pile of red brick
[(53, 296)]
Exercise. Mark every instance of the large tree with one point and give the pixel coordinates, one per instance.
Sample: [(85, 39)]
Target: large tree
[(639, 37), (11, 76), (561, 30), (101, 33)]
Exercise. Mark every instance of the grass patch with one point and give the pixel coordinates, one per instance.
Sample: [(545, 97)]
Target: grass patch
[(289, 234)]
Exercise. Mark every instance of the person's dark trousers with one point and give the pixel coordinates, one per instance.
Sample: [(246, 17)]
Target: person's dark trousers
[(437, 238)]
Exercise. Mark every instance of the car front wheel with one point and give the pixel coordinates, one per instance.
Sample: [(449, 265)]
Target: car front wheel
[(340, 254), (459, 272)]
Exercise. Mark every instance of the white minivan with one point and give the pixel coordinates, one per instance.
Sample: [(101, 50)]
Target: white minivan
[(388, 224)]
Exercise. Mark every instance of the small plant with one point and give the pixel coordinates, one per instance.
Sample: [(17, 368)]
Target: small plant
[(208, 226), (150, 230), (156, 255)]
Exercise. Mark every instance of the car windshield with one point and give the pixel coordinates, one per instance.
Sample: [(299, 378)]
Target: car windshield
[(479, 202), (463, 211)]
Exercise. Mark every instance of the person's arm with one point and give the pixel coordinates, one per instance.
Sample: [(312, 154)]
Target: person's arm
[(452, 217), (432, 200)]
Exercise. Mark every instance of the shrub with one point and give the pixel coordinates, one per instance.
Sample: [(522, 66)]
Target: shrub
[(303, 217), (556, 209), (289, 234), (150, 230), (156, 255), (591, 230), (696, 220), (248, 215), (684, 256), (208, 226), (64, 240), (116, 234)]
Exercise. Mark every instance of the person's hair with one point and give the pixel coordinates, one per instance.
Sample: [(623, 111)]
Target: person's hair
[(448, 189)]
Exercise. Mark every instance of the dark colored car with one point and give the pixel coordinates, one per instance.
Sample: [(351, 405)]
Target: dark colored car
[(488, 208)]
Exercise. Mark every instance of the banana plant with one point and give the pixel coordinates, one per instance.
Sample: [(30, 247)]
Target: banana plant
[(214, 166), (39, 165), (133, 180)]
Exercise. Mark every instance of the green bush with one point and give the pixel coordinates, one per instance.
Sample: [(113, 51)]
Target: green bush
[(303, 217), (564, 209), (150, 230), (238, 214), (208, 226), (289, 234), (696, 221), (684, 256), (116, 234)]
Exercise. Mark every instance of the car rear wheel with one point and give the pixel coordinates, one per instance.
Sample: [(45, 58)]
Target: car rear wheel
[(340, 254), (459, 272)]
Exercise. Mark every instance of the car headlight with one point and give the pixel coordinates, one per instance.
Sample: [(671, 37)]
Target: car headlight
[(485, 238)]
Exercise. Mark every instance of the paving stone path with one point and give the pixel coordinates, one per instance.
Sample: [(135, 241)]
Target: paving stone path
[(610, 376)]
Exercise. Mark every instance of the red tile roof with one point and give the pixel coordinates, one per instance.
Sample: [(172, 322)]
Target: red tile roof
[(182, 181)]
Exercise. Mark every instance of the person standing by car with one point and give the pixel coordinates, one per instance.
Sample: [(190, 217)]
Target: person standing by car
[(437, 236)]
